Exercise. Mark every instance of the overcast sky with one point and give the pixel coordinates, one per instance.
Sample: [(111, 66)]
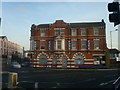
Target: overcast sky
[(17, 17)]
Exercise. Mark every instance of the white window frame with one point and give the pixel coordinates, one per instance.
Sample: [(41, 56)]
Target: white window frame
[(33, 45), (42, 34), (73, 48), (56, 34), (82, 30), (59, 44), (96, 30), (74, 33), (96, 48), (83, 44), (62, 33), (59, 31), (62, 44)]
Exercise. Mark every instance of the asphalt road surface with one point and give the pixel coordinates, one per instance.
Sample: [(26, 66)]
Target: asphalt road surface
[(59, 78)]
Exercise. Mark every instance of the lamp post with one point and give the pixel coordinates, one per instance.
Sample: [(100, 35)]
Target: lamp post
[(111, 36)]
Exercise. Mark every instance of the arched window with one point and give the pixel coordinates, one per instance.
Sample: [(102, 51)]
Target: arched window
[(43, 59), (79, 59)]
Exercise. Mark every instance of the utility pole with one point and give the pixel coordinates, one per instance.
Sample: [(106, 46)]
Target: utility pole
[(111, 36), (119, 42)]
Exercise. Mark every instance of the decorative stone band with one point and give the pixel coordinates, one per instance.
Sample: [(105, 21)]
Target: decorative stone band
[(89, 63), (88, 59)]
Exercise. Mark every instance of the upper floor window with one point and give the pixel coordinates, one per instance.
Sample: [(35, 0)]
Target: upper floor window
[(59, 44), (33, 45), (74, 44), (49, 45), (62, 32), (84, 44), (83, 31), (69, 46), (42, 44), (43, 33), (96, 43), (59, 31), (88, 43), (96, 31), (74, 32), (56, 32)]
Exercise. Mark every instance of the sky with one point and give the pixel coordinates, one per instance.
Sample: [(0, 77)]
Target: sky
[(17, 18)]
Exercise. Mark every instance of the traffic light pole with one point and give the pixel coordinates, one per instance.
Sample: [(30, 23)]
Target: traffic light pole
[(119, 37), (111, 38)]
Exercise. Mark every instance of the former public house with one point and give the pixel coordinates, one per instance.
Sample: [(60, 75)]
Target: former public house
[(68, 45)]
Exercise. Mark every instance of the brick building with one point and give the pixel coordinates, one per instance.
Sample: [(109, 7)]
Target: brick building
[(68, 45)]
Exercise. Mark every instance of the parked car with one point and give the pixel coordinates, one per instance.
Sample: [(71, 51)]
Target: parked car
[(25, 64), (15, 65)]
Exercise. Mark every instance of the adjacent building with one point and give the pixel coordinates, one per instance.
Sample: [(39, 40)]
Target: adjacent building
[(8, 48), (68, 45), (114, 54)]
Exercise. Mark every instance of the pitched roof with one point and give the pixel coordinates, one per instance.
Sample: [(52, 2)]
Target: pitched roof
[(43, 26), (77, 25), (82, 25)]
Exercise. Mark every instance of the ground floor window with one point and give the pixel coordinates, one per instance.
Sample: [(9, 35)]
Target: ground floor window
[(79, 59), (43, 59)]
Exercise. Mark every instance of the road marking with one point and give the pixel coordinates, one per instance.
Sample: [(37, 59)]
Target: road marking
[(59, 84), (110, 75), (54, 87), (89, 79), (102, 84)]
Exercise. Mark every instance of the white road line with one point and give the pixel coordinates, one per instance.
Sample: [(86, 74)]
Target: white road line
[(105, 83), (91, 79), (87, 80), (59, 84), (110, 76)]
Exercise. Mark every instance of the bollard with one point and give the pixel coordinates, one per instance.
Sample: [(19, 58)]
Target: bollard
[(12, 80), (36, 85)]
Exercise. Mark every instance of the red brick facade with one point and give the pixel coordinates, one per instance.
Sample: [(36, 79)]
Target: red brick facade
[(68, 45)]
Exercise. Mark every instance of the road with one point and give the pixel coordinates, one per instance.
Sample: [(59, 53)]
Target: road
[(59, 78)]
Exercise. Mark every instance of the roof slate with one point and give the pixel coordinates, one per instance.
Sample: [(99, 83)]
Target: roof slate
[(83, 25), (43, 26), (77, 25)]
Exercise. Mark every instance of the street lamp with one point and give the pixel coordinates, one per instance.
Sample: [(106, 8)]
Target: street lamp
[(111, 36)]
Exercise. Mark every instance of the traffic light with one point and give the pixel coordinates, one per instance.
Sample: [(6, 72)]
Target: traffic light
[(115, 16)]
